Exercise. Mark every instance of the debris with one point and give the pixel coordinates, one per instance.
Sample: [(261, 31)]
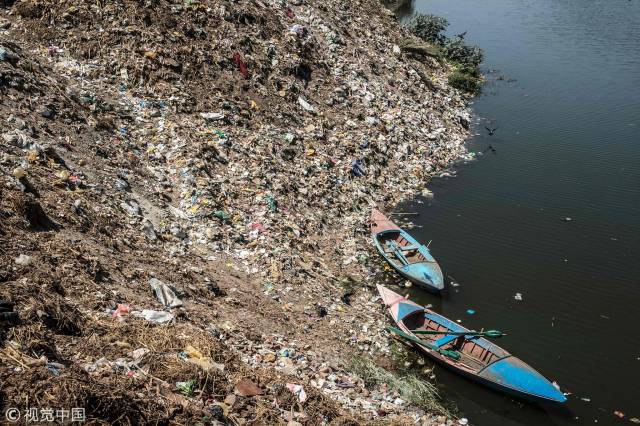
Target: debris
[(246, 387), (23, 260), (149, 230), (212, 116), (54, 368), (242, 67), (131, 207), (120, 310), (209, 145), (298, 391), (306, 105), (471, 311), (299, 30), (186, 388), (619, 414), (321, 311), (194, 356), (357, 168), (159, 317), (518, 296), (165, 294), (19, 173)]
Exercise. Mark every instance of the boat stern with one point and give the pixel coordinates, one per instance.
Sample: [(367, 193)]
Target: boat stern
[(379, 223), (399, 306), (388, 297), (515, 376)]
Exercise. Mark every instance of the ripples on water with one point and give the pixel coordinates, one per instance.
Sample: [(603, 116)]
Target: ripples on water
[(568, 145)]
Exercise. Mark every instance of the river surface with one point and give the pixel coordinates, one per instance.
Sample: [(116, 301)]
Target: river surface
[(554, 212)]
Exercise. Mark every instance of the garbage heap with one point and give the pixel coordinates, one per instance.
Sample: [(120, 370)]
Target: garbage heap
[(185, 192)]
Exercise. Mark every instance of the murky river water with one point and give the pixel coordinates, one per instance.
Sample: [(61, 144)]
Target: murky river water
[(567, 146)]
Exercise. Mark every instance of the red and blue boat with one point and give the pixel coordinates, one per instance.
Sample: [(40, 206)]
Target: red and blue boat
[(411, 259), (470, 355)]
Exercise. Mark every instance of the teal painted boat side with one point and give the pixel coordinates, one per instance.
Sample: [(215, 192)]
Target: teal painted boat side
[(501, 371), (427, 274)]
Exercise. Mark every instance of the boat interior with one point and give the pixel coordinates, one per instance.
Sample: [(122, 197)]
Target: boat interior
[(401, 251), (476, 353)]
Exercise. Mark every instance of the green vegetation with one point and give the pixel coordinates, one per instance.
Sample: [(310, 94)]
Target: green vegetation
[(456, 50), (465, 58), (409, 386), (465, 82), (428, 27)]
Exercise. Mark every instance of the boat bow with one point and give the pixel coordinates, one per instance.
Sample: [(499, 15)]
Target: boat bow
[(515, 374)]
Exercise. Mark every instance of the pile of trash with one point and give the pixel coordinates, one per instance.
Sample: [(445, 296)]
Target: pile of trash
[(170, 169)]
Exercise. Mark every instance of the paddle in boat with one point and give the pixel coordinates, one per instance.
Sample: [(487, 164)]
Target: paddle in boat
[(411, 259), (467, 352)]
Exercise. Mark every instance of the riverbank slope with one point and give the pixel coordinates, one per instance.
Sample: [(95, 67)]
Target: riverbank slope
[(184, 201)]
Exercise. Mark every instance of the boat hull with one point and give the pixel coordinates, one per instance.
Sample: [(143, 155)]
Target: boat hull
[(504, 373), (426, 274)]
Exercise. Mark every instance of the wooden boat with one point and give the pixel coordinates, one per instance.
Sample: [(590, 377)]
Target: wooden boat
[(477, 358), (410, 258)]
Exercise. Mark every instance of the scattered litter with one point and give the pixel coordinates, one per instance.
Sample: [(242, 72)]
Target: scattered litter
[(242, 67), (246, 387), (139, 353), (194, 160), (306, 105), (518, 296), (194, 356), (54, 368), (299, 30), (357, 168), (471, 311), (120, 310), (619, 414), (186, 388), (298, 391), (212, 116), (159, 317), (165, 294), (24, 260)]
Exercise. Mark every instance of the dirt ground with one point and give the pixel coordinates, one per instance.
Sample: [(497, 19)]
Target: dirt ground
[(231, 152)]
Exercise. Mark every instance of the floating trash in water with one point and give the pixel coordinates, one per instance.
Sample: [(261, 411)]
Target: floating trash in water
[(471, 311), (518, 296), (567, 219), (586, 399)]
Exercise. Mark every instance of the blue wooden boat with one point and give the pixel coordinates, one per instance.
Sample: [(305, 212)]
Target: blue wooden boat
[(411, 259), (475, 357)]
